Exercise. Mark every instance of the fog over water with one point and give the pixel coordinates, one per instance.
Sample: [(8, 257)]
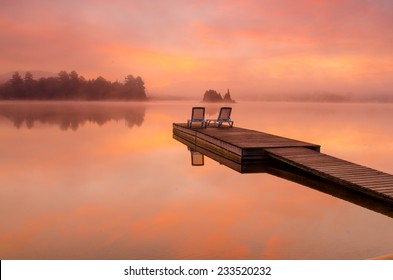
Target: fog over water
[(106, 180)]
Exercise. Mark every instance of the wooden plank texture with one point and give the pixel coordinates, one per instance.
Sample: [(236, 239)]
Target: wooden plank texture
[(240, 140), (355, 176)]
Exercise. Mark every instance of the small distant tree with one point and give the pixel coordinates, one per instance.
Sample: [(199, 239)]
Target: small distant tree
[(212, 96), (140, 93), (47, 88), (129, 87), (28, 77), (64, 91), (75, 85), (16, 83), (134, 88), (99, 89), (227, 97), (16, 79), (29, 86)]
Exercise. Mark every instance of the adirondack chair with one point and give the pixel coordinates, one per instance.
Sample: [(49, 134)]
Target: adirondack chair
[(223, 117), (198, 116)]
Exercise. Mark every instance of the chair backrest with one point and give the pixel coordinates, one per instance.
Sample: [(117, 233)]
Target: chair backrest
[(198, 113), (225, 113)]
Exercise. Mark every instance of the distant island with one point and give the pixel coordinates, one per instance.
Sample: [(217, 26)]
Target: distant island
[(215, 97), (71, 86)]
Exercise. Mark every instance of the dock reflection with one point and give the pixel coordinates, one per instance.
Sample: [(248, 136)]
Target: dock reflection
[(71, 115), (293, 174)]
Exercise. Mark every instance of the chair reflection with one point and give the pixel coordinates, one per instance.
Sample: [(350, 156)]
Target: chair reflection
[(197, 158)]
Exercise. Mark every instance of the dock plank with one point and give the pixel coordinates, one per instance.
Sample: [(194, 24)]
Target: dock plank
[(350, 174)]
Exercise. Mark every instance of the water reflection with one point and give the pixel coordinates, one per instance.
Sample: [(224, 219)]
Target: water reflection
[(293, 174), (71, 115), (111, 192), (197, 158)]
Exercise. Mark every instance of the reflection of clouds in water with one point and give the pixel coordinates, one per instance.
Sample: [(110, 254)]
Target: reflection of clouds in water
[(72, 115), (110, 192)]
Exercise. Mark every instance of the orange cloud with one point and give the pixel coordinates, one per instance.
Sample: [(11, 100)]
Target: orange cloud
[(274, 45)]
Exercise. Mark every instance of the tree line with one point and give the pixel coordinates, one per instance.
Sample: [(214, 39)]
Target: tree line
[(71, 86)]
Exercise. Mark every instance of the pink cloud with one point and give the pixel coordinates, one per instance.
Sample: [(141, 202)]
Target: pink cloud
[(216, 41)]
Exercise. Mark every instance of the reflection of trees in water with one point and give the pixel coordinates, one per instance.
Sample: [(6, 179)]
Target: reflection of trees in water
[(72, 115)]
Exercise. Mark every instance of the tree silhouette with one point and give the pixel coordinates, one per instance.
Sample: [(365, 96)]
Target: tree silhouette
[(213, 96), (17, 85), (29, 85), (227, 97), (72, 86)]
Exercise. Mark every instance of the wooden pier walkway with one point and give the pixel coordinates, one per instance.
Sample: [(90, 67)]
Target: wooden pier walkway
[(244, 147), (238, 144)]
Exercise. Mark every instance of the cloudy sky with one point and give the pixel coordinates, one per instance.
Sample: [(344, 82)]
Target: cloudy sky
[(252, 47)]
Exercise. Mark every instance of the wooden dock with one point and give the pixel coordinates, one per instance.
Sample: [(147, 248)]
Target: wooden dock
[(250, 150), (237, 144)]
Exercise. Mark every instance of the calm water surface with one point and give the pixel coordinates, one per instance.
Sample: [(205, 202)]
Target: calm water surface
[(108, 181)]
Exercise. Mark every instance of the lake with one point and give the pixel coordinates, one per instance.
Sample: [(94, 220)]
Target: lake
[(108, 181)]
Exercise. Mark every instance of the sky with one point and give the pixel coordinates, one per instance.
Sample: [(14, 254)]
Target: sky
[(184, 47)]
